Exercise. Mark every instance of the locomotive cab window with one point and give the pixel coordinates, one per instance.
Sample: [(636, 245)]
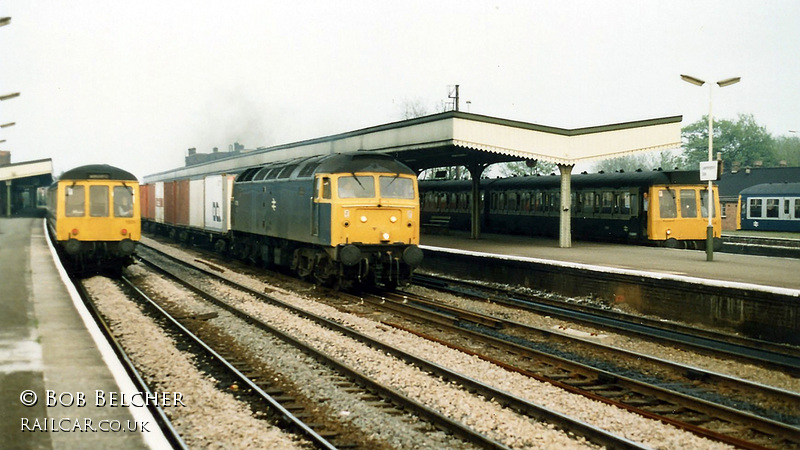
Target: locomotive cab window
[(74, 201), (98, 201), (396, 187), (356, 187), (123, 201)]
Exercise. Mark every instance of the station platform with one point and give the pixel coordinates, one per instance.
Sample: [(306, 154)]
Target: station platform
[(52, 354), (726, 269)]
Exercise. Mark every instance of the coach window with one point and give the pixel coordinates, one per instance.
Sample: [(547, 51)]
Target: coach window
[(75, 201), (754, 209), (98, 201), (688, 203), (773, 207), (667, 205), (123, 201), (797, 208)]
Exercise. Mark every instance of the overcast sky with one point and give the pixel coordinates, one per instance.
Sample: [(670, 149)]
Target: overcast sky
[(135, 84)]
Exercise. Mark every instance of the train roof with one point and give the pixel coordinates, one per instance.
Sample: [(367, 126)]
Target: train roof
[(773, 189), (98, 172), (610, 180), (337, 163)]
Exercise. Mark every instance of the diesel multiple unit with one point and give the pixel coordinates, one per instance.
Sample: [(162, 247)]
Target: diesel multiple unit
[(668, 208), (339, 219), (93, 216)]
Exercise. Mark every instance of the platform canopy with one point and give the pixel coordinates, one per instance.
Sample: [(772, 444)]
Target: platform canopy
[(26, 169), (458, 138)]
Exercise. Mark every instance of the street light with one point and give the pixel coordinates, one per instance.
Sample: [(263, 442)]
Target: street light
[(711, 209)]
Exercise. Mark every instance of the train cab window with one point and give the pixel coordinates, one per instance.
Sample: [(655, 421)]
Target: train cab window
[(773, 207), (396, 187), (668, 207), (325, 188), (98, 201), (75, 201), (688, 203), (754, 209), (356, 187), (123, 201)]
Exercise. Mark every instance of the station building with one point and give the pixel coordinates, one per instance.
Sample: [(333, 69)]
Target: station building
[(20, 183)]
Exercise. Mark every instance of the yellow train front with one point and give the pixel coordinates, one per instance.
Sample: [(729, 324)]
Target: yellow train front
[(93, 217)]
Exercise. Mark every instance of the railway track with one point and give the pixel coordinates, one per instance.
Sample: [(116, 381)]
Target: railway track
[(647, 397), (520, 405), (774, 356), (761, 245), (169, 431)]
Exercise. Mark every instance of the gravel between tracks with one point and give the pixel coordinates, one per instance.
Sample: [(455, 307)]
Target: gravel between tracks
[(486, 416), (210, 419)]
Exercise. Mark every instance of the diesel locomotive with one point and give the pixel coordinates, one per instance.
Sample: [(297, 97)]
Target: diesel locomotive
[(93, 216), (341, 219), (666, 208)]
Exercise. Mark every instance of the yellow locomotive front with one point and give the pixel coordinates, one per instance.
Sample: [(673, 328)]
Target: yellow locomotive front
[(93, 215), (678, 216), (368, 211)]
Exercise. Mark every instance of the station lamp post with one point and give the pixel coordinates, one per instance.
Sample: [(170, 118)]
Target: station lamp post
[(711, 209)]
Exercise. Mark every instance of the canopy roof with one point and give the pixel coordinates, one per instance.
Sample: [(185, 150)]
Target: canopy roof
[(441, 139), (26, 169)]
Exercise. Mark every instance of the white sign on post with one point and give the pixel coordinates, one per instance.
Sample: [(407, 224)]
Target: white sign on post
[(708, 171)]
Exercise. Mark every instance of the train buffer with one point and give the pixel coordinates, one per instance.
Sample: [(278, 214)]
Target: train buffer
[(437, 224)]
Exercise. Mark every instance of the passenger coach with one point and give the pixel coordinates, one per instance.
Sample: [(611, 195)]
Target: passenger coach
[(667, 208), (770, 207)]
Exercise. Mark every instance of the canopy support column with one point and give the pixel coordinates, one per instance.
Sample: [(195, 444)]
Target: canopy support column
[(475, 171), (565, 219)]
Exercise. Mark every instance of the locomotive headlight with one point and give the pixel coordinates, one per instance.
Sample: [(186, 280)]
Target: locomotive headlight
[(393, 219), (385, 236), (74, 231), (123, 231), (669, 231), (363, 219)]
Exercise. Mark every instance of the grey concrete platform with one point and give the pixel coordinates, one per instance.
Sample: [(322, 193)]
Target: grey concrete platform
[(726, 268), (46, 345)]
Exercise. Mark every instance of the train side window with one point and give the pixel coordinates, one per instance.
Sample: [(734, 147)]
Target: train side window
[(75, 202), (98, 201), (754, 208), (608, 201), (797, 208), (667, 205), (688, 203), (324, 188), (512, 202), (123, 201), (773, 207), (625, 205)]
